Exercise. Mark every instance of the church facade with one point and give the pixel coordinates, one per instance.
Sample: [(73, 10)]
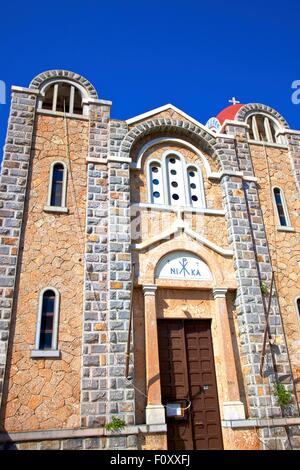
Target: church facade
[(150, 273)]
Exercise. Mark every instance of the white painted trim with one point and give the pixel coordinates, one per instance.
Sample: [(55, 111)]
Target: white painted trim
[(165, 107), (297, 310), (260, 423), (219, 292), (285, 208), (44, 435), (20, 89), (49, 112), (149, 181), (138, 164), (55, 319), (64, 188), (229, 122), (95, 160), (119, 159), (268, 144), (44, 353), (167, 183), (208, 243), (177, 226), (201, 188), (168, 208), (61, 210), (220, 174), (54, 103), (281, 228), (96, 101), (288, 131)]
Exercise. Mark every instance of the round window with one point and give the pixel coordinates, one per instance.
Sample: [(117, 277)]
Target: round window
[(193, 186), (155, 181), (175, 196), (192, 174), (195, 198), (154, 169), (172, 160), (173, 172), (156, 194), (174, 184)]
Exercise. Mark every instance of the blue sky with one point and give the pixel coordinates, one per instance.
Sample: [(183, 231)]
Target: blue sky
[(141, 55)]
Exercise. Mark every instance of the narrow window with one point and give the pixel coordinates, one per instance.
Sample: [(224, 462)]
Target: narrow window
[(77, 107), (260, 122), (47, 320), (63, 98), (195, 187), (175, 178), (156, 183), (298, 308), (48, 99), (251, 125), (57, 185), (281, 209)]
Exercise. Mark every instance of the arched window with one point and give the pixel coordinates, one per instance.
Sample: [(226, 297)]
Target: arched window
[(175, 180), (57, 187), (63, 97), (263, 128), (156, 183), (282, 212), (195, 187), (47, 323)]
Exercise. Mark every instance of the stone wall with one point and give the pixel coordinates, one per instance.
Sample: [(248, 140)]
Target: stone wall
[(44, 393), (273, 168)]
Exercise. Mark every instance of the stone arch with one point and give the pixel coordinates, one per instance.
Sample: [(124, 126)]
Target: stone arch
[(244, 112), (178, 127), (43, 77), (161, 250)]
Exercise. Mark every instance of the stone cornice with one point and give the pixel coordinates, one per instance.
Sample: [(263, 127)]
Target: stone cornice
[(20, 89)]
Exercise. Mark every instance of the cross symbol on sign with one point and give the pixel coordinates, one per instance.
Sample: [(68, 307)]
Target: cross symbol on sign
[(184, 264), (234, 101)]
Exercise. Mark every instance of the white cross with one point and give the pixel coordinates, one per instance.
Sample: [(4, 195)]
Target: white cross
[(234, 101)]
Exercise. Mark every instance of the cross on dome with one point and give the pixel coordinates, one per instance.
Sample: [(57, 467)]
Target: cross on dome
[(234, 101)]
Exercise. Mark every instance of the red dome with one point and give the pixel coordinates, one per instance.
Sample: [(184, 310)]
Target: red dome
[(229, 113)]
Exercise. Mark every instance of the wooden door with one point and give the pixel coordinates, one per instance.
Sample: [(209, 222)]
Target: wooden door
[(188, 376)]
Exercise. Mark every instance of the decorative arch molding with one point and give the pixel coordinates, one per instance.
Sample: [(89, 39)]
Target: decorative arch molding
[(180, 128), (170, 246), (184, 143), (251, 108), (40, 80)]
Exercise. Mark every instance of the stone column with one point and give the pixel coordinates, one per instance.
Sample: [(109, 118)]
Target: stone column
[(233, 408), (155, 412)]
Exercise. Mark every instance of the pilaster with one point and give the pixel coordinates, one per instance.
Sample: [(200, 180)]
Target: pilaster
[(13, 187), (252, 264), (94, 384)]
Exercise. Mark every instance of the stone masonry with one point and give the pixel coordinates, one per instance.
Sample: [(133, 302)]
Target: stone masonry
[(16, 165), (253, 266), (109, 150), (94, 393)]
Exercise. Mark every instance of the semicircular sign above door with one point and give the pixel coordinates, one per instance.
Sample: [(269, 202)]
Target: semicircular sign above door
[(184, 266)]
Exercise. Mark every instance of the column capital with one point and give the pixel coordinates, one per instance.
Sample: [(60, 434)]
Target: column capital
[(219, 292), (149, 289)]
